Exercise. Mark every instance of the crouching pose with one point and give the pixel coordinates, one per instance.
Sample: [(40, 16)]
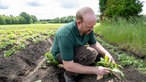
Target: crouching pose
[(76, 47)]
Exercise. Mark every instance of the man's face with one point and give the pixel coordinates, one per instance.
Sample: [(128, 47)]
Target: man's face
[(87, 26)]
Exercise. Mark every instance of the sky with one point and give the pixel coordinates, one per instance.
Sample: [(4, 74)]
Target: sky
[(49, 9)]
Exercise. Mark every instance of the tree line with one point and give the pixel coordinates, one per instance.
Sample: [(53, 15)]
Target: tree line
[(65, 19), (23, 18), (108, 9)]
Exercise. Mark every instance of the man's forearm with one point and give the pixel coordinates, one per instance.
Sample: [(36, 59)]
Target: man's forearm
[(81, 69), (102, 51), (99, 48)]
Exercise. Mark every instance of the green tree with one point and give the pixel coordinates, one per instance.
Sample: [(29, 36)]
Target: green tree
[(13, 19), (64, 20), (2, 19), (102, 7), (59, 20), (27, 18), (70, 18), (120, 8), (34, 18), (7, 20)]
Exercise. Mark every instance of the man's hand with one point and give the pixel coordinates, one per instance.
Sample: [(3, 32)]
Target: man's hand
[(102, 71), (110, 58)]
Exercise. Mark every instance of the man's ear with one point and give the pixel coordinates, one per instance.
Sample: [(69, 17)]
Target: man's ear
[(78, 23)]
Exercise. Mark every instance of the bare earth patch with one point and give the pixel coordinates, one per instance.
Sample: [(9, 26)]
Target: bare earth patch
[(28, 65)]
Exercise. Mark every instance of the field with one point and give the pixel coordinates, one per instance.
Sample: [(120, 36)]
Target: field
[(22, 50)]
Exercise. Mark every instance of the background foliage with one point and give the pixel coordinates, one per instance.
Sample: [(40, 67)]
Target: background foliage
[(120, 8)]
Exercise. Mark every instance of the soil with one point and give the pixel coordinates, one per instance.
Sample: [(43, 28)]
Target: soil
[(28, 65)]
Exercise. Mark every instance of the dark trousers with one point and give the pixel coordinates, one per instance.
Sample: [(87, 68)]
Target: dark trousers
[(83, 55)]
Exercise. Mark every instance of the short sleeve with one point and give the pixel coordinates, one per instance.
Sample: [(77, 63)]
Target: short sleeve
[(66, 48)]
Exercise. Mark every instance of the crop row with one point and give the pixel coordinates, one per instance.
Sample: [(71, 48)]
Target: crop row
[(15, 38)]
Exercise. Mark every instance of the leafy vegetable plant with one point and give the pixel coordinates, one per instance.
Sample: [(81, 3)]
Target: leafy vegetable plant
[(114, 67), (50, 59)]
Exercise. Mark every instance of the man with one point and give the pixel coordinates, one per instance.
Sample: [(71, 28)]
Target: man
[(70, 46)]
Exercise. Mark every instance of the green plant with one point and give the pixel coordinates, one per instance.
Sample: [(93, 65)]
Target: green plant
[(50, 59), (126, 60), (9, 52), (114, 67)]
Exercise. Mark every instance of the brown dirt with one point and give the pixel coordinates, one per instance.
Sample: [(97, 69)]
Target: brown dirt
[(26, 66)]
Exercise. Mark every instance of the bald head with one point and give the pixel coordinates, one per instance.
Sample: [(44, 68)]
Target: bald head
[(85, 13)]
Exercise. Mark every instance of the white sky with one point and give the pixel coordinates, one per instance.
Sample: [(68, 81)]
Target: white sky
[(47, 9)]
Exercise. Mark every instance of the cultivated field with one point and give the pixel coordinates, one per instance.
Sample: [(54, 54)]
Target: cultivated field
[(22, 50)]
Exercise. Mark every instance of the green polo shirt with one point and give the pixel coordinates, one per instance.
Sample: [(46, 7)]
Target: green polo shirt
[(67, 38)]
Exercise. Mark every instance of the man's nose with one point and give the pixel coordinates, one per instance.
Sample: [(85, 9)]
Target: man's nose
[(91, 29)]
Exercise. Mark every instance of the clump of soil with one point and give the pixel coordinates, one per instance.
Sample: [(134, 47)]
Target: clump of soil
[(28, 65)]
